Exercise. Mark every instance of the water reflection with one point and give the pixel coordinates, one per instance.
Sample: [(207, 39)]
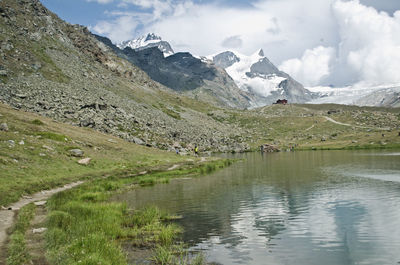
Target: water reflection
[(335, 207)]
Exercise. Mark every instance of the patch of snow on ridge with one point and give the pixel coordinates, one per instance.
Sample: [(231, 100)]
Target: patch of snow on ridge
[(147, 41), (262, 84), (350, 95)]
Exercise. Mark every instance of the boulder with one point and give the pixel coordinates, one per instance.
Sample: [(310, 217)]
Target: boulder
[(138, 141), (84, 161), (4, 127), (76, 152)]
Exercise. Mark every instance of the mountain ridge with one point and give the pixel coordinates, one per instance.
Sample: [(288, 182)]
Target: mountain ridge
[(187, 74), (148, 41), (257, 75)]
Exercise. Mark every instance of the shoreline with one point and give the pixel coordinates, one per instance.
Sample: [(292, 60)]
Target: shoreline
[(94, 194)]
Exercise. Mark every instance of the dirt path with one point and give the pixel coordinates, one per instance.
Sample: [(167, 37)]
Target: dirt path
[(351, 125), (173, 167), (309, 128), (7, 216)]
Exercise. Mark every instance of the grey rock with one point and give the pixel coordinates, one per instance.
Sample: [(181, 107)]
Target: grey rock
[(39, 230), (225, 59), (3, 73), (21, 95), (4, 127), (76, 152), (48, 147), (138, 141)]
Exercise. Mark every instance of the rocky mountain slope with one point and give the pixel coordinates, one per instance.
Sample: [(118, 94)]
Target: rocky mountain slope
[(182, 72), (148, 41), (257, 76), (61, 71)]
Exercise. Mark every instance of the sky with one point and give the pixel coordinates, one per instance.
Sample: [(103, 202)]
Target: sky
[(318, 42)]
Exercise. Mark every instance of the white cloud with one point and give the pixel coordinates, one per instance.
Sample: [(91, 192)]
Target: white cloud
[(313, 66), (118, 30), (368, 50), (317, 41), (284, 28), (159, 7), (370, 42), (233, 42)]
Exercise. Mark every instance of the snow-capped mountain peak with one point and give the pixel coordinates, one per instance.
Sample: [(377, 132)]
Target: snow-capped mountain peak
[(257, 75), (148, 41)]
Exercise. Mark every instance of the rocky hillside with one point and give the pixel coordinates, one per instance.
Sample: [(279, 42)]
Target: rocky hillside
[(182, 72), (61, 71), (259, 77), (386, 97)]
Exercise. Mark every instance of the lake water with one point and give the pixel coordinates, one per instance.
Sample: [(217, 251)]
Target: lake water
[(317, 207)]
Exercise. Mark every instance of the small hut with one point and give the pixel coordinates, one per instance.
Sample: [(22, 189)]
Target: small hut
[(281, 101)]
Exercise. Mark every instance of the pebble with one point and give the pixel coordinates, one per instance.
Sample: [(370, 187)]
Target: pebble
[(39, 230), (47, 147), (40, 203)]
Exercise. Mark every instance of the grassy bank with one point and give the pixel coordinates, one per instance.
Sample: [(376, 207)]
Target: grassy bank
[(35, 155), (17, 251), (86, 228)]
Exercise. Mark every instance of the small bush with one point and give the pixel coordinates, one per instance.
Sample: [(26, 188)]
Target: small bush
[(52, 136), (17, 250), (17, 253), (93, 197), (37, 122), (146, 216), (60, 219), (163, 256), (168, 234), (147, 182)]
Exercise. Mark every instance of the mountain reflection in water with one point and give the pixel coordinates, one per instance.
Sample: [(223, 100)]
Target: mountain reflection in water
[(331, 207)]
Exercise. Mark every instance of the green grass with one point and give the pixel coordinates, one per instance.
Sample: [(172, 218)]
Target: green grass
[(50, 135), (43, 160), (17, 252), (49, 69), (37, 122), (84, 227)]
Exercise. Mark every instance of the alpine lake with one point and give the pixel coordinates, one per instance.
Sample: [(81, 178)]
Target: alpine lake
[(306, 207)]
